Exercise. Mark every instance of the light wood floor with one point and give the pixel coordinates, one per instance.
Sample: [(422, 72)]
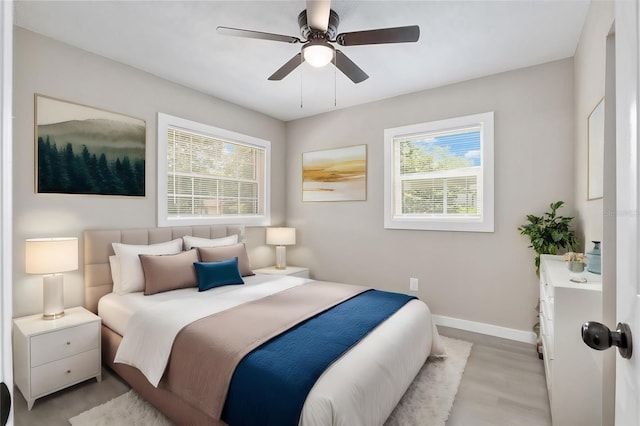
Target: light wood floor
[(503, 384)]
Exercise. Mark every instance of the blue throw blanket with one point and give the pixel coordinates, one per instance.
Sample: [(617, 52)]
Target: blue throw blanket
[(271, 384)]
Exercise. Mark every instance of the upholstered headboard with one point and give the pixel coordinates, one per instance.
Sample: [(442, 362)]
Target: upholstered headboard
[(98, 248)]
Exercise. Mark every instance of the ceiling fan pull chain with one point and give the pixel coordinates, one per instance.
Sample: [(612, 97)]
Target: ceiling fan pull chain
[(301, 60), (335, 85)]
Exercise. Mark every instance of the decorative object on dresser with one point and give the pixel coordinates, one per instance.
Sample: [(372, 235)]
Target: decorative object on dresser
[(575, 264), (51, 256), (281, 237), (594, 258), (86, 150), (571, 369), (295, 271), (52, 355)]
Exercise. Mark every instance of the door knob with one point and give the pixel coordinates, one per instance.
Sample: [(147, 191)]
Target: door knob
[(598, 336), (5, 403)]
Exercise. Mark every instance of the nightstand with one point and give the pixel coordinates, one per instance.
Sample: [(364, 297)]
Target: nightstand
[(50, 355), (295, 271)]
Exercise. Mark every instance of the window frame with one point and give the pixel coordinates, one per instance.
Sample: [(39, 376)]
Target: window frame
[(441, 223), (166, 121)]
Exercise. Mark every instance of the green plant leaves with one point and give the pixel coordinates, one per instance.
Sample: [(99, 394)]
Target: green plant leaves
[(549, 233)]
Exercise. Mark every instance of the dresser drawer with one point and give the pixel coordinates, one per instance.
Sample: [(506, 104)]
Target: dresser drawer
[(64, 343), (60, 374)]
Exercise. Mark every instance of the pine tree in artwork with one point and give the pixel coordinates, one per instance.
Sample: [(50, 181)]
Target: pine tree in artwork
[(65, 171)]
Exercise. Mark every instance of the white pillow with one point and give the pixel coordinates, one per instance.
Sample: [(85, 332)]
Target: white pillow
[(115, 272), (131, 274), (191, 242)]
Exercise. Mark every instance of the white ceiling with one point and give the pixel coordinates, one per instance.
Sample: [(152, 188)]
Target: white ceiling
[(177, 40)]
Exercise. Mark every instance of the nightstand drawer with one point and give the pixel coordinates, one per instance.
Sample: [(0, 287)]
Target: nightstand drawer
[(63, 343), (59, 374)]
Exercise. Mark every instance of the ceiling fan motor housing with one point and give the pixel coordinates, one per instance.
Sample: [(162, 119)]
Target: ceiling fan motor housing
[(309, 33)]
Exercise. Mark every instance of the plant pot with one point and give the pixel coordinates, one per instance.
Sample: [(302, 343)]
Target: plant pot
[(576, 272), (575, 266)]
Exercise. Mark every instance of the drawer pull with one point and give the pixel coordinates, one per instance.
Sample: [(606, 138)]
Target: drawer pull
[(68, 343), (68, 371)]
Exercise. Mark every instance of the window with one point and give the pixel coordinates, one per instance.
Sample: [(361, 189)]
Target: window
[(439, 175), (208, 175)]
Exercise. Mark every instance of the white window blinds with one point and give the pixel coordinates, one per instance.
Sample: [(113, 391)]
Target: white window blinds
[(439, 173), (210, 175)]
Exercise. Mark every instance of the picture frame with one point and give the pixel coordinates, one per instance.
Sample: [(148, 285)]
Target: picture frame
[(595, 154), (338, 174), (84, 150)]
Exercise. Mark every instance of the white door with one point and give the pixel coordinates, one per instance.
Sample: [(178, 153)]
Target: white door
[(627, 24), (6, 66)]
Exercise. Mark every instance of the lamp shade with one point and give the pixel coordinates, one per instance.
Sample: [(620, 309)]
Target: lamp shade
[(51, 255), (281, 236)]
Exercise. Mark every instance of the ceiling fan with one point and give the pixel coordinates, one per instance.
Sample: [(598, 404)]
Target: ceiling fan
[(318, 26)]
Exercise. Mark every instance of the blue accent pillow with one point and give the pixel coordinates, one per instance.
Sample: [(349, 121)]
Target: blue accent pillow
[(216, 274)]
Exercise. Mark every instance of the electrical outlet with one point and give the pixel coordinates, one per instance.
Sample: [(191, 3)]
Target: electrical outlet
[(413, 284)]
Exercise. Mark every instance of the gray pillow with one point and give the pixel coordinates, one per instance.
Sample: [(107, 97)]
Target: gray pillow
[(218, 254), (169, 272)]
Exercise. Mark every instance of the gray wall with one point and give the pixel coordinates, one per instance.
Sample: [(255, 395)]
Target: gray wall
[(589, 68), (483, 277), (44, 66), (487, 278)]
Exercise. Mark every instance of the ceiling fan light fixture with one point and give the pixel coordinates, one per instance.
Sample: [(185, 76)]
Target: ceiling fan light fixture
[(318, 54)]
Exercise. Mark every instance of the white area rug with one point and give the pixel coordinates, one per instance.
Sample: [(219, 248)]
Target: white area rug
[(428, 400)]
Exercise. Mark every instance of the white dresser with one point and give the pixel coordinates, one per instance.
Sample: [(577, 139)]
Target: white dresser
[(573, 370), (49, 355)]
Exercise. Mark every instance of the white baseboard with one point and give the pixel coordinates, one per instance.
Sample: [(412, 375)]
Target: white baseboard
[(491, 330)]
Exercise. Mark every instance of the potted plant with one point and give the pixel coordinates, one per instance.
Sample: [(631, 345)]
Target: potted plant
[(549, 233)]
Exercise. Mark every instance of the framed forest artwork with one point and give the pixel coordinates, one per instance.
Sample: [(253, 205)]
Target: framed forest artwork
[(86, 150)]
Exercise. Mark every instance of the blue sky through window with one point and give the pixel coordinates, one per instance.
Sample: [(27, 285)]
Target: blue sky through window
[(465, 145)]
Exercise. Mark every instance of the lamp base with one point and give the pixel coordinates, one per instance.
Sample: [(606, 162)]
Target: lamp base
[(53, 316), (52, 297), (281, 257)]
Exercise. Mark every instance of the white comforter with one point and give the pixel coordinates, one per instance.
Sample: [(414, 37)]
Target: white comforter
[(157, 326), (361, 388)]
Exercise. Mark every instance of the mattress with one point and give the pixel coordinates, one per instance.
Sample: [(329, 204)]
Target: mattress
[(360, 388), (117, 309)]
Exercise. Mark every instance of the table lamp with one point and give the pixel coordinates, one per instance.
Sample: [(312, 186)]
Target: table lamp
[(50, 256), (281, 237)]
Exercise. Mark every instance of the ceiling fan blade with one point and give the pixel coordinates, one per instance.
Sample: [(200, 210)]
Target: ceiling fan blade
[(318, 14), (380, 36), (349, 68), (284, 70), (237, 32)]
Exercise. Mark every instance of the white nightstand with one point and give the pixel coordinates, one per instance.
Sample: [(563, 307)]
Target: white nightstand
[(295, 271), (49, 355)]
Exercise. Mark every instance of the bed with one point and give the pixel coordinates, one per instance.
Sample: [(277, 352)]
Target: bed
[(361, 387)]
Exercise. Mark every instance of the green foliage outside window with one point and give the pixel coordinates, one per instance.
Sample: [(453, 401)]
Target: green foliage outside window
[(427, 195)]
